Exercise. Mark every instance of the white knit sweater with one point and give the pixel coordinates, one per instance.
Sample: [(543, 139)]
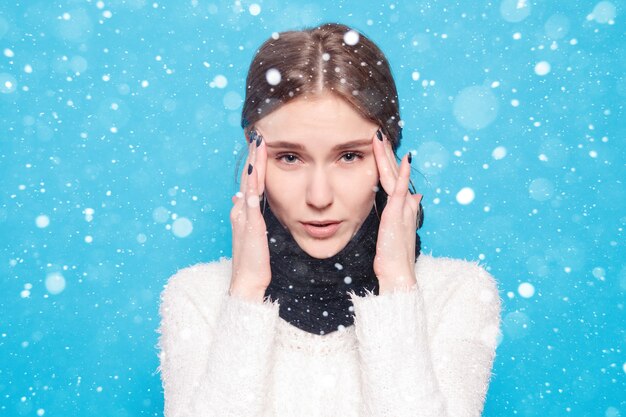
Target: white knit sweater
[(428, 351)]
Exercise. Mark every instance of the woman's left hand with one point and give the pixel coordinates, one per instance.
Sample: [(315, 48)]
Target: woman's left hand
[(394, 264)]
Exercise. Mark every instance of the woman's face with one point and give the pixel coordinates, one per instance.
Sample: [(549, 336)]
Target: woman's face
[(320, 168)]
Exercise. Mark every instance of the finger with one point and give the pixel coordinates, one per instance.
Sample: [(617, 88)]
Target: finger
[(413, 202), (420, 213), (392, 158), (402, 183), (385, 171), (417, 199), (238, 199), (261, 163), (244, 172), (252, 195), (390, 155), (393, 164)]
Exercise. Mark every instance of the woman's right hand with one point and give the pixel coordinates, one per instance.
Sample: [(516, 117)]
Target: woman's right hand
[(251, 272)]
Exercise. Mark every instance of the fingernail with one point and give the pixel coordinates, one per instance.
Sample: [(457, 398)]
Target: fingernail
[(409, 157), (379, 135), (259, 139), (249, 169), (252, 135)]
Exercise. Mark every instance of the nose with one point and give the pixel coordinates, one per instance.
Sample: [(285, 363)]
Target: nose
[(319, 192)]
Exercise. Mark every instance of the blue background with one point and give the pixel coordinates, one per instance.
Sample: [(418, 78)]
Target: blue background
[(119, 142)]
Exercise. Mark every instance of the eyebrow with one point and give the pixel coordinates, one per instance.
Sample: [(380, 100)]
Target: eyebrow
[(342, 146)]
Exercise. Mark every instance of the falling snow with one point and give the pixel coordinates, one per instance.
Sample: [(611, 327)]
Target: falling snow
[(351, 37), (273, 76), (121, 138)]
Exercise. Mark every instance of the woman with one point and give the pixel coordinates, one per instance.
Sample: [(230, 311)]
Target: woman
[(327, 307)]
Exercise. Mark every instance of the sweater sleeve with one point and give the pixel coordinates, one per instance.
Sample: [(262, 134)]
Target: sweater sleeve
[(213, 364), (407, 372)]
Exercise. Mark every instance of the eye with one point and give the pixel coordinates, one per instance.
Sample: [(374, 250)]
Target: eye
[(352, 156), (288, 158), (291, 159)]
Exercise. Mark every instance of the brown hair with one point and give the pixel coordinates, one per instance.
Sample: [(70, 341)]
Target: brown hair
[(318, 59)]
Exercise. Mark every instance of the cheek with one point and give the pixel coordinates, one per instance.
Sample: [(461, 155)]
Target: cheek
[(372, 175), (364, 177), (358, 186), (371, 180), (280, 183), (369, 169), (358, 183)]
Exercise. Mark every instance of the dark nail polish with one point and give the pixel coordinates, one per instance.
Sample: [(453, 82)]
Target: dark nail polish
[(379, 135), (259, 139), (249, 169), (409, 157), (252, 135)]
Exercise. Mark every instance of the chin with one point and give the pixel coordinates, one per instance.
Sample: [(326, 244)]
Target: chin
[(322, 248)]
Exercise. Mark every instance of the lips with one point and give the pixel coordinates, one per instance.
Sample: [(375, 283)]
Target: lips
[(321, 230), (322, 222)]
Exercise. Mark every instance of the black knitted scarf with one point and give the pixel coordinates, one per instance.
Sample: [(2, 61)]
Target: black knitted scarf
[(313, 293)]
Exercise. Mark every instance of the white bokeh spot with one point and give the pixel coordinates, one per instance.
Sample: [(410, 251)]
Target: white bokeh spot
[(273, 76), (465, 196), (526, 289), (499, 153), (182, 227), (475, 107), (351, 37), (254, 9), (55, 283), (542, 68), (42, 221)]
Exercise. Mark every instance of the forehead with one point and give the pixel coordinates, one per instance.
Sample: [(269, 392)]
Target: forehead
[(325, 119)]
